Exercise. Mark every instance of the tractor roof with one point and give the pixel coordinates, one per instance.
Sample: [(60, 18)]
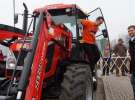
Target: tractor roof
[(58, 9), (59, 6)]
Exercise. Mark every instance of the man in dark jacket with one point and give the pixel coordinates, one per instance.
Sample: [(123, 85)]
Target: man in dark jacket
[(131, 32), (120, 50)]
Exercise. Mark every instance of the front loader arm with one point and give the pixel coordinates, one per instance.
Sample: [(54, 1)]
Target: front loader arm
[(32, 76), (38, 69)]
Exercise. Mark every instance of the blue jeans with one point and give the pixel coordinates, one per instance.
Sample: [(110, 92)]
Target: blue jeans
[(133, 84)]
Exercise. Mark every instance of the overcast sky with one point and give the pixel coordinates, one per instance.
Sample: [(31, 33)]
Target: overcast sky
[(118, 13)]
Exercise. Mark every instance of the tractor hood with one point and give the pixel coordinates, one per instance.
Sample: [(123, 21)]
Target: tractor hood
[(9, 32)]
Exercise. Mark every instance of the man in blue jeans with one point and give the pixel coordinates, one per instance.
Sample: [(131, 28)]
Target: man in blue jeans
[(131, 32)]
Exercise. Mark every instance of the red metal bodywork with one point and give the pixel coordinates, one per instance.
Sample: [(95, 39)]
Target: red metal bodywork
[(16, 45), (7, 34)]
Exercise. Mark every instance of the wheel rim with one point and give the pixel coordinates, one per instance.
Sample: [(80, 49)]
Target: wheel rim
[(89, 90)]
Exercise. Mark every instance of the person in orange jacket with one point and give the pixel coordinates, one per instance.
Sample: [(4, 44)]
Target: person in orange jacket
[(88, 41)]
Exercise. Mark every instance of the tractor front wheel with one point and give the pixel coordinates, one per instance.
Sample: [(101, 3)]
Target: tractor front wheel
[(77, 83)]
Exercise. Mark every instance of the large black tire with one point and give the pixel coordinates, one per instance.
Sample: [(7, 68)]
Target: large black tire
[(77, 83)]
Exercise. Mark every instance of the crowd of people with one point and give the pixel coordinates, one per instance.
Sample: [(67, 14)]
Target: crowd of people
[(120, 50), (120, 53)]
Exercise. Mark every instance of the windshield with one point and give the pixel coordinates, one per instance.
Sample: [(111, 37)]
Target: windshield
[(68, 21), (72, 28)]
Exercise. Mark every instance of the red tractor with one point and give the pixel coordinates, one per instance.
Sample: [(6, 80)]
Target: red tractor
[(55, 66)]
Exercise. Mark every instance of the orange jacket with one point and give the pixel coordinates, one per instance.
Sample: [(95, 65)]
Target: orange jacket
[(89, 31)]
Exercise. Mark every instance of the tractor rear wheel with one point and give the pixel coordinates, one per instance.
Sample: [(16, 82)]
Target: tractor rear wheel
[(77, 83)]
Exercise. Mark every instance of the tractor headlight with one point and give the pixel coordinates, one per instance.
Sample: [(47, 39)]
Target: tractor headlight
[(12, 65)]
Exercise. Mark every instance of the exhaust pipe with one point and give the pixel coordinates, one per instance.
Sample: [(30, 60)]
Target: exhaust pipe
[(25, 18)]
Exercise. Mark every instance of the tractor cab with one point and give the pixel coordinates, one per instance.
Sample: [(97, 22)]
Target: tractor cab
[(67, 15)]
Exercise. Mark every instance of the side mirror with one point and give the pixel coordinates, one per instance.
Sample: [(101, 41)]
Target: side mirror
[(105, 33), (15, 18)]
